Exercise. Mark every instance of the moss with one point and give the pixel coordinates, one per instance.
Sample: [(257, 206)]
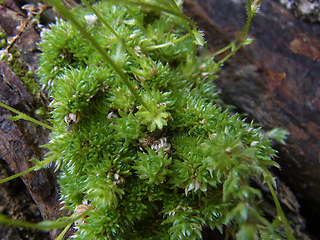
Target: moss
[(30, 81), (27, 77), (139, 134), (20, 68)]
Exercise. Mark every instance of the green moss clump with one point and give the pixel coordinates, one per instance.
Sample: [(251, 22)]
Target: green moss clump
[(161, 172)]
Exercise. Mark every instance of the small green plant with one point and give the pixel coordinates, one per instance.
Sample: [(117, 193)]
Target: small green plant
[(143, 150)]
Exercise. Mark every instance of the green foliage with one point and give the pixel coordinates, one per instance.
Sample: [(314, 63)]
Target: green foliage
[(153, 166), (278, 134), (158, 116), (138, 136)]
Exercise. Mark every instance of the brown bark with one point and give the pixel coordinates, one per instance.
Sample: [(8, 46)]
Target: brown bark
[(20, 141), (276, 82)]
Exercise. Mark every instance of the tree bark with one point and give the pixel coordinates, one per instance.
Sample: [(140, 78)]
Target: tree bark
[(20, 141)]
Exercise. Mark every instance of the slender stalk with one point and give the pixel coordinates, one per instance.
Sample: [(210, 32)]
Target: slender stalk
[(280, 212), (65, 230), (102, 19), (222, 50), (44, 225), (68, 15), (25, 117), (18, 174), (149, 48), (107, 25), (194, 26), (242, 37), (39, 165)]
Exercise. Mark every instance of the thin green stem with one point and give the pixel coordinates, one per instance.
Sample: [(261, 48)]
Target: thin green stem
[(68, 15), (39, 165), (26, 117), (65, 230), (18, 174), (149, 48), (242, 37), (280, 212), (44, 225), (107, 25), (102, 19), (194, 26), (222, 50)]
